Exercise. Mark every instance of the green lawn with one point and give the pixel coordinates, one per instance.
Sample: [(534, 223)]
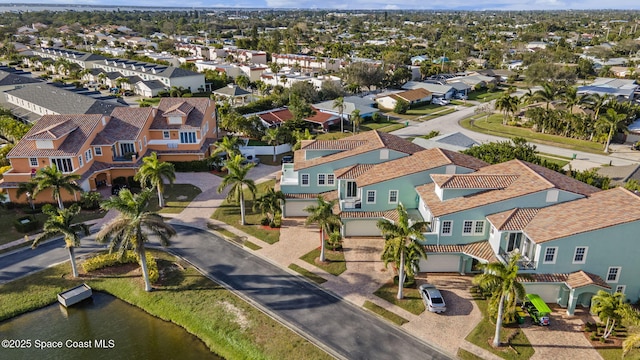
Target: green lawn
[(412, 301), (229, 213), (484, 95), (176, 196), (424, 109), (445, 111), (376, 309), (493, 125), (552, 160), (482, 334), (465, 355), (616, 354), (229, 326), (308, 274), (335, 264)]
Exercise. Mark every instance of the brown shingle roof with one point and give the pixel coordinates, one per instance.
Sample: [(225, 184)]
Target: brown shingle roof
[(125, 124), (195, 116), (513, 220), (574, 280), (55, 131), (530, 179), (84, 125), (479, 250), (352, 172), (601, 210), (180, 109), (417, 162), (351, 146)]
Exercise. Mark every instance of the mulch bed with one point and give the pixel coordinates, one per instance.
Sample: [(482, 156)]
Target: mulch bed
[(611, 342)]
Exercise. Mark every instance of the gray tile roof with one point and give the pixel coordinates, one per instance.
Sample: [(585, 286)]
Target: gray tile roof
[(7, 79)]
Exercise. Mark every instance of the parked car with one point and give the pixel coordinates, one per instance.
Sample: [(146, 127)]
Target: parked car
[(461, 96), (115, 189), (287, 159), (439, 101), (252, 159), (433, 300)]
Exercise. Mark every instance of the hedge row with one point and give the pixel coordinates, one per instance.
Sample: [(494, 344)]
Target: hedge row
[(113, 259), (26, 224), (192, 166)]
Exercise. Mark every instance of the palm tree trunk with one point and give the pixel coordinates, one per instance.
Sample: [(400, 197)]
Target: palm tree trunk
[(400, 295), (274, 154), (322, 254), (496, 337), (606, 147), (60, 203), (241, 208), (160, 198), (72, 258), (341, 123), (145, 270)]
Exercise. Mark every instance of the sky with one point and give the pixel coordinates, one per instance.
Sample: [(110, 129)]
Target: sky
[(366, 4)]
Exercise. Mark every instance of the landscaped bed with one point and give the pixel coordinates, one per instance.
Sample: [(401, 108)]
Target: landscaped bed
[(412, 301), (334, 264)]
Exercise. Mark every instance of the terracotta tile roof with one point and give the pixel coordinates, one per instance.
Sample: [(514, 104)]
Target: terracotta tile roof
[(195, 116), (125, 124), (513, 220), (276, 117), (601, 210), (85, 125), (530, 179), (352, 172), (574, 280), (480, 250), (391, 215), (320, 117), (327, 196), (353, 145), (417, 162), (463, 181), (180, 109), (55, 131)]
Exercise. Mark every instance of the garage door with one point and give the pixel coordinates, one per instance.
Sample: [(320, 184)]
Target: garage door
[(361, 228), (548, 292), (440, 263), (295, 208)]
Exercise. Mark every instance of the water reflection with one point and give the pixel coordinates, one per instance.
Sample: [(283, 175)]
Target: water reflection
[(101, 328)]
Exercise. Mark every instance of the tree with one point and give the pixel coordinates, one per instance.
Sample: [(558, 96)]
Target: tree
[(52, 178), (356, 119), (400, 238), (299, 107), (611, 120), (269, 204), (607, 305), (548, 93), (401, 107), (502, 281), (237, 178), (339, 103), (155, 172), (60, 222), (229, 145), (273, 137), (243, 81), (508, 105), (322, 214), (132, 227), (28, 188), (501, 151)]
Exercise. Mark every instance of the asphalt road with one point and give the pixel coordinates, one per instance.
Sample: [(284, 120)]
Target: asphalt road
[(340, 328)]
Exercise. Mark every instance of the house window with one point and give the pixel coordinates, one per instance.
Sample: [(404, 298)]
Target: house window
[(550, 255), (88, 155), (188, 137), (621, 288), (166, 135), (97, 150), (80, 160), (447, 227), (33, 162), (352, 189), (393, 196), (479, 228), (467, 227), (580, 255), (371, 196), (613, 274), (63, 164), (321, 180), (140, 144), (304, 179), (384, 154), (552, 195), (145, 140), (331, 179)]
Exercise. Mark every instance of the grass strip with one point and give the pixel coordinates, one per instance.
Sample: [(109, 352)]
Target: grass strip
[(335, 264), (308, 274), (379, 310), (412, 302), (251, 245)]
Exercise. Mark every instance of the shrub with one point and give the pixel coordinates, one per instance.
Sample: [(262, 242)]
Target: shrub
[(277, 221), (133, 183), (120, 180), (90, 200), (401, 107), (593, 336), (265, 221), (26, 224), (129, 257), (192, 166)]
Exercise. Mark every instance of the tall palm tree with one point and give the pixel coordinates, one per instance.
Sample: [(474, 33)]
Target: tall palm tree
[(60, 222), (339, 103), (237, 178), (572, 99), (273, 136), (269, 203), (29, 189), (502, 281), (508, 105), (52, 178), (155, 172), (132, 227), (400, 238), (548, 93), (322, 214), (611, 120), (101, 77), (607, 305), (356, 119), (631, 319), (229, 145)]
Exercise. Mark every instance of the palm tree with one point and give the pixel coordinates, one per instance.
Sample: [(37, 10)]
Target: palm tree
[(507, 104), (60, 222), (399, 240), (242, 81), (28, 188), (101, 77), (229, 145), (607, 305), (131, 228), (339, 103), (237, 178), (631, 319), (631, 342), (612, 120), (322, 214), (269, 203), (548, 93), (356, 119), (299, 136), (502, 280), (52, 178), (155, 173), (273, 136)]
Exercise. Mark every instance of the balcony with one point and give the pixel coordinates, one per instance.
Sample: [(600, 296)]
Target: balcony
[(289, 177), (351, 204), (523, 264), (126, 157)]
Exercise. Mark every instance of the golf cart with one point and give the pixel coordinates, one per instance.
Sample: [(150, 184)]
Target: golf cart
[(537, 309)]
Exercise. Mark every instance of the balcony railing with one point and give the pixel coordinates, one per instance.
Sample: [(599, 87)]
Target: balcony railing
[(523, 264), (351, 204), (126, 157)]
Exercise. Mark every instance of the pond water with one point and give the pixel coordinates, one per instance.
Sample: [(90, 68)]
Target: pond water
[(103, 327)]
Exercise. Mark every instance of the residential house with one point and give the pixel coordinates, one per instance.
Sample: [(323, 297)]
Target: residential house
[(307, 62), (622, 89), (351, 103), (454, 142), (437, 90), (84, 59), (276, 117), (412, 97)]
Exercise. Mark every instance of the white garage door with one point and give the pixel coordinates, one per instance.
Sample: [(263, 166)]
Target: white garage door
[(361, 228), (440, 263), (548, 292), (293, 208)]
